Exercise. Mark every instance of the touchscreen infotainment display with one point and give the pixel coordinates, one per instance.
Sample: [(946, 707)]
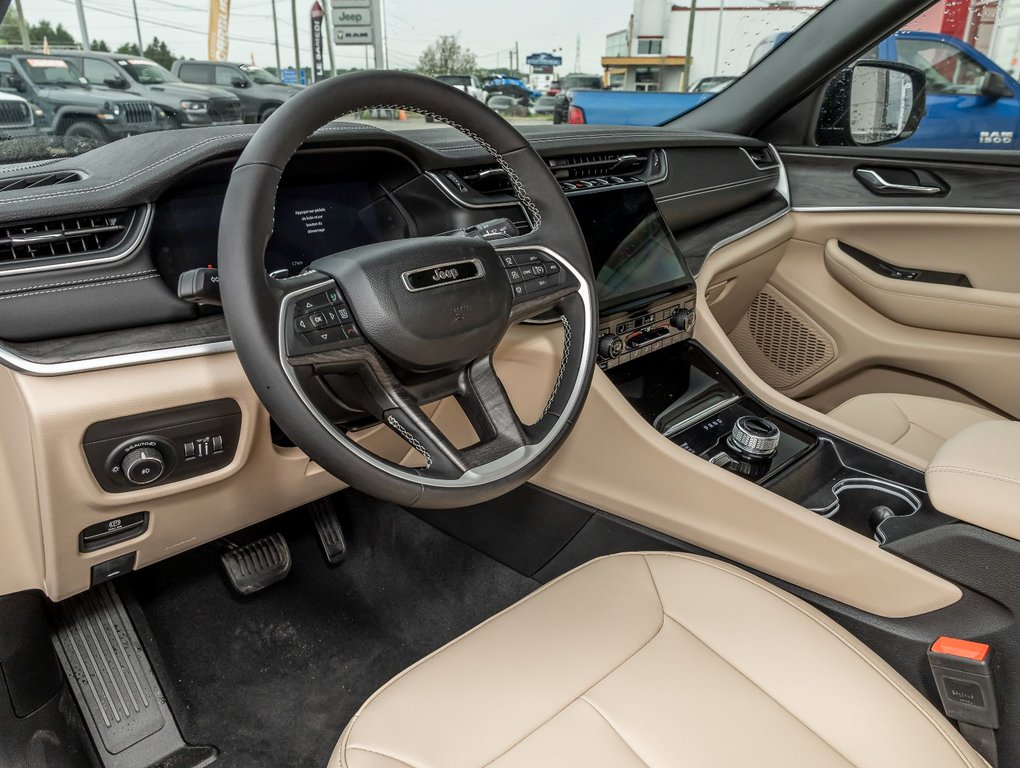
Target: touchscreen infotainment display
[(632, 250)]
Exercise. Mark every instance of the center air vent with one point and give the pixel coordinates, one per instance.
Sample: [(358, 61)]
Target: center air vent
[(39, 180), (70, 236), (491, 179)]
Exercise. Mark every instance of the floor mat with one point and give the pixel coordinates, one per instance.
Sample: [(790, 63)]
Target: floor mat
[(272, 679)]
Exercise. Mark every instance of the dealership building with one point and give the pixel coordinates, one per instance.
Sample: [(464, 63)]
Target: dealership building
[(650, 53)]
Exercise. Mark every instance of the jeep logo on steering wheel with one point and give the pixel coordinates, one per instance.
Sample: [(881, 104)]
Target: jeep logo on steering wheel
[(442, 274)]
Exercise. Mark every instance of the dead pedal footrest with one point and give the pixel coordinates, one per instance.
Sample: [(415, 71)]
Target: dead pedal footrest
[(257, 565)]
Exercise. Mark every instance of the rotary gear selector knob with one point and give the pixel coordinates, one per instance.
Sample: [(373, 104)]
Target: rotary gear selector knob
[(754, 437), (610, 347)]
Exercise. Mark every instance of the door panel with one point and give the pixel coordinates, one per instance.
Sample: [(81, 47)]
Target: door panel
[(873, 347)]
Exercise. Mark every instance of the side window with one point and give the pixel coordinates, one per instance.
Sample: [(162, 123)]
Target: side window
[(195, 73), (98, 72), (226, 75), (947, 69), (6, 75)]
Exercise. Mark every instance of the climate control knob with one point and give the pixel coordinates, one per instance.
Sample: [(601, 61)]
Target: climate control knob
[(610, 347), (143, 466)]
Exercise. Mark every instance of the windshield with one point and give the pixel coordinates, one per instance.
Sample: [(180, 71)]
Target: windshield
[(48, 72), (636, 62), (147, 72), (261, 76)]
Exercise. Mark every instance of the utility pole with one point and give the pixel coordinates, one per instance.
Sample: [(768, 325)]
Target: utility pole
[(718, 37), (297, 47), (690, 47), (276, 39), (86, 43), (138, 28), (517, 55), (577, 55), (26, 43)]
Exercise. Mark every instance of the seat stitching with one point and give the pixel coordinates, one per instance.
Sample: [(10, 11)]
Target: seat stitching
[(615, 730), (975, 472), (343, 757), (776, 701), (581, 695), (765, 587), (345, 736)]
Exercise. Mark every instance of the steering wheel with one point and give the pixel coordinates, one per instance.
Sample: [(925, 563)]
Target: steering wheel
[(384, 328)]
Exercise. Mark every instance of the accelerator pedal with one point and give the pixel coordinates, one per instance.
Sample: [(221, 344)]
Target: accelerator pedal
[(331, 535), (117, 692), (255, 566)]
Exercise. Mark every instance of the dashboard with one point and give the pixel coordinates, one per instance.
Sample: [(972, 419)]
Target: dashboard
[(103, 361)]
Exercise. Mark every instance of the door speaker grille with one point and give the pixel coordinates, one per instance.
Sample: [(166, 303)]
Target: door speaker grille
[(781, 344)]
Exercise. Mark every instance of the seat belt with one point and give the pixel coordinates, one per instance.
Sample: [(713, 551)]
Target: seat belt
[(963, 676)]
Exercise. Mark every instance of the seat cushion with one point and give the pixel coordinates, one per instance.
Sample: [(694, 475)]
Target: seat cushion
[(918, 425), (648, 660)]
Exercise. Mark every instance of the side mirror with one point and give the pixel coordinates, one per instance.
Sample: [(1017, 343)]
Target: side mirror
[(870, 104), (116, 82), (239, 82), (18, 83), (994, 87)]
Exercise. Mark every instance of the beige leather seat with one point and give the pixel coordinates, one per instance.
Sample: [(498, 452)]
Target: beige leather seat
[(651, 660), (918, 425)]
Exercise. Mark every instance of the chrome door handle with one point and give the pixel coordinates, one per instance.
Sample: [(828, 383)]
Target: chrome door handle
[(874, 181)]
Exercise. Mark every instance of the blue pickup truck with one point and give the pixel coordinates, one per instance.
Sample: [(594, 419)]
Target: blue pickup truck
[(972, 102)]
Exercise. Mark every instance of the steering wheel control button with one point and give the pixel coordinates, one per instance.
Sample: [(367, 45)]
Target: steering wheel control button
[(143, 466), (514, 275), (520, 290), (754, 437), (303, 324), (325, 336), (351, 331), (313, 302)]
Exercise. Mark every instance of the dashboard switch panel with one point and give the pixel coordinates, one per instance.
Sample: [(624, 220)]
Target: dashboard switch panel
[(161, 447)]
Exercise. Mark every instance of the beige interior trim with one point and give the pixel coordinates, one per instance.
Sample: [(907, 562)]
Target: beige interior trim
[(975, 476), (927, 305), (615, 461)]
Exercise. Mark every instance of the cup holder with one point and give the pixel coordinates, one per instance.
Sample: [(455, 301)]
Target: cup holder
[(864, 503)]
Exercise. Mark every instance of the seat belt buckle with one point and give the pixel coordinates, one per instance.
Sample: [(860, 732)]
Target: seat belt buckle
[(963, 676)]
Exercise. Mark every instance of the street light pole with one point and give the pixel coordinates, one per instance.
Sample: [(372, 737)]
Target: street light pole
[(297, 47), (26, 43), (138, 28), (718, 37), (690, 46), (276, 39), (85, 42)]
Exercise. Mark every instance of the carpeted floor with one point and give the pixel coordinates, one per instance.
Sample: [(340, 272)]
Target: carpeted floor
[(272, 679)]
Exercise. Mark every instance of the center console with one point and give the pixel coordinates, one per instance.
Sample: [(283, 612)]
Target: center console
[(647, 313)]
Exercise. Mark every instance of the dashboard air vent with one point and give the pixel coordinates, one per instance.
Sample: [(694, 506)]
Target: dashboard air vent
[(762, 157), (491, 179), (70, 236), (39, 180)]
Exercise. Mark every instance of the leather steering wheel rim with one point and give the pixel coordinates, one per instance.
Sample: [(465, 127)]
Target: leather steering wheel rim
[(258, 308)]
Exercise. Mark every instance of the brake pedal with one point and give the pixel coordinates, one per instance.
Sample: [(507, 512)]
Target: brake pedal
[(331, 535), (255, 566)]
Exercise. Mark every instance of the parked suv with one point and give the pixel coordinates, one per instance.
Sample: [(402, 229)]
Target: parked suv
[(84, 117), (186, 105), (17, 117), (259, 90)]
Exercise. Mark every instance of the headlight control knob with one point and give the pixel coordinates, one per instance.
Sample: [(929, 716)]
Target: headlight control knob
[(754, 437), (683, 320), (610, 347), (143, 466)]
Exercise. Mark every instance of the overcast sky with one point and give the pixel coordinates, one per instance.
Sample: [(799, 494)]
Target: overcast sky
[(489, 29)]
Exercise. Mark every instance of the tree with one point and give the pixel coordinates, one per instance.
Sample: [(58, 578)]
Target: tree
[(129, 49), (100, 45), (10, 32), (160, 53), (447, 56)]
